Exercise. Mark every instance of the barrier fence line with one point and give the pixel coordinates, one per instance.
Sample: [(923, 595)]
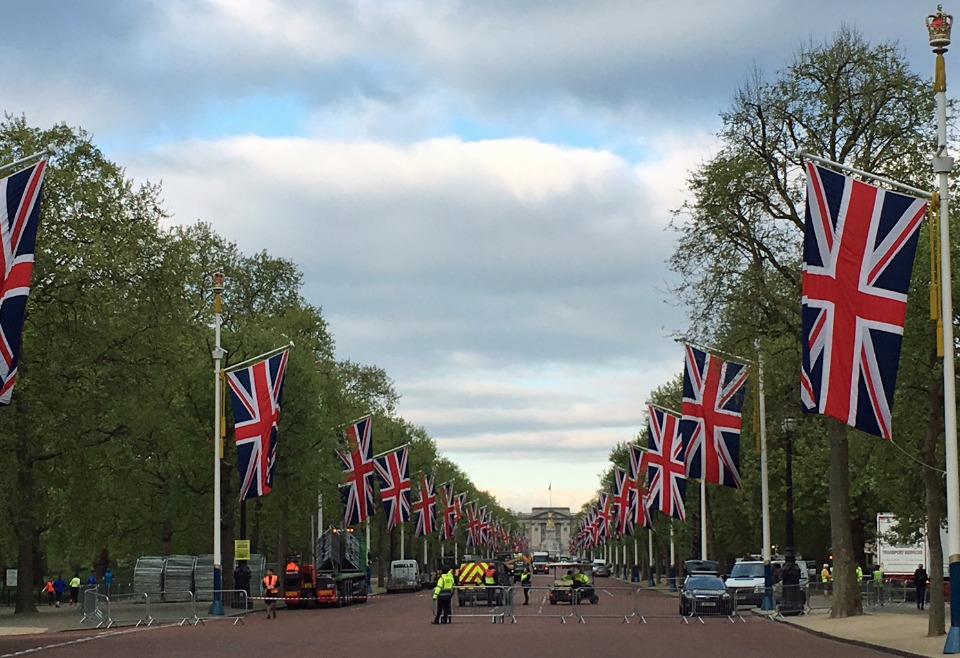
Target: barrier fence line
[(537, 603), (178, 606), (605, 602), (235, 599)]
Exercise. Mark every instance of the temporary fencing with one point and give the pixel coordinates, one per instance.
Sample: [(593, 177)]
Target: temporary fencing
[(493, 603), (819, 597), (235, 598), (172, 606), (539, 603), (124, 609), (791, 600)]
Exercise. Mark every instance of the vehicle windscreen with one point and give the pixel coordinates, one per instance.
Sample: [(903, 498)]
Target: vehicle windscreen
[(705, 582), (747, 570)]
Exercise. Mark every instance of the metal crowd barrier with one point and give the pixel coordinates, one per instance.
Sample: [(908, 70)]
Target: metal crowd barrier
[(176, 606), (541, 605), (231, 598), (481, 601), (607, 601), (91, 608), (791, 600), (123, 609)]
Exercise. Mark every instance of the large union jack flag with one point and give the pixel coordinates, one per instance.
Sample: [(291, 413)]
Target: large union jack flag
[(255, 394), (858, 248), (357, 488), (19, 218), (394, 476), (424, 508), (667, 472), (713, 394), (473, 524)]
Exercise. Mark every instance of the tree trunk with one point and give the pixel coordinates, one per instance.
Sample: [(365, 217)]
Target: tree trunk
[(932, 487), (26, 527), (846, 593)]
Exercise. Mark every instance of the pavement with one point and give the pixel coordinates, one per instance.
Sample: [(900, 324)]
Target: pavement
[(896, 630)]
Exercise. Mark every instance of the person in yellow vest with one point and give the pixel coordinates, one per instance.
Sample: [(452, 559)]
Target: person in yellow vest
[(825, 579), (525, 584), (443, 595), (490, 584), (271, 591), (878, 583)]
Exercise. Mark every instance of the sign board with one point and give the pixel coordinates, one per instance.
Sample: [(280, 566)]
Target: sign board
[(11, 578), (241, 549)]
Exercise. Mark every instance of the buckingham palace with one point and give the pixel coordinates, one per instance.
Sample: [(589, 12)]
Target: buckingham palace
[(547, 528)]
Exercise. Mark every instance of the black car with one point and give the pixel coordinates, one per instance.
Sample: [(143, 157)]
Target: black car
[(704, 594)]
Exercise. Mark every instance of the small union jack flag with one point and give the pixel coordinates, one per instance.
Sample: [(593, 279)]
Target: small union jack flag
[(713, 394), (425, 508), (667, 472), (639, 461), (394, 479), (858, 249), (357, 488), (255, 394), (623, 500), (19, 218), (448, 523), (473, 524)]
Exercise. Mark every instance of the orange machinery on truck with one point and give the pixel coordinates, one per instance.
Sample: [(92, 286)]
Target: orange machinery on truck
[(299, 583)]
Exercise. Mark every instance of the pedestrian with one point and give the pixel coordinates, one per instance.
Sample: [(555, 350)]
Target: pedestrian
[(59, 587), (878, 582), (920, 579), (825, 577), (92, 580), (48, 588), (525, 583), (74, 588), (108, 579), (271, 591), (490, 584), (443, 595)]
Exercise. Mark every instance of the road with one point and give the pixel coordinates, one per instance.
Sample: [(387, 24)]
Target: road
[(399, 625)]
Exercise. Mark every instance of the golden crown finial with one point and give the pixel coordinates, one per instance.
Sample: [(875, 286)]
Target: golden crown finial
[(938, 25)]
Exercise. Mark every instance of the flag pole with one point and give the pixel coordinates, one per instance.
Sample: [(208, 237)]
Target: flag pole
[(256, 359), (49, 151), (803, 155), (216, 606), (938, 26), (387, 452), (767, 603), (703, 519)]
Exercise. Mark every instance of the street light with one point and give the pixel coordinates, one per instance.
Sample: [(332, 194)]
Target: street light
[(789, 426)]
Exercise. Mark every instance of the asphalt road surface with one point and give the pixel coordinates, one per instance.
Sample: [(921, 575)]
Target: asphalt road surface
[(399, 625)]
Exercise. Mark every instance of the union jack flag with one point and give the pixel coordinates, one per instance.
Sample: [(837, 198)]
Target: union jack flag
[(357, 488), (639, 461), (713, 394), (858, 248), (473, 525), (448, 524), (255, 395), (425, 508), (605, 514), (667, 473), (394, 479), (623, 500), (19, 218)]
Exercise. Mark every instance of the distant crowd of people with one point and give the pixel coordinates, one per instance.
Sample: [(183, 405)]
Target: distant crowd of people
[(55, 588)]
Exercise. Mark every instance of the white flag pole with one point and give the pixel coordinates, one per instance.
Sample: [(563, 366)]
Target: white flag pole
[(767, 603), (673, 561), (402, 555), (50, 150), (939, 28), (703, 519), (650, 556), (216, 605)]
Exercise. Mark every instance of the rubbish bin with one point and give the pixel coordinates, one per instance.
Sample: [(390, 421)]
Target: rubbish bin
[(792, 599), (241, 581)]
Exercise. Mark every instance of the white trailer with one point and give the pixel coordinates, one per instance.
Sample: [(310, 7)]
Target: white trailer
[(901, 560)]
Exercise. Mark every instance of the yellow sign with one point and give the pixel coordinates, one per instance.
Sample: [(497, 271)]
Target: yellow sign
[(241, 549)]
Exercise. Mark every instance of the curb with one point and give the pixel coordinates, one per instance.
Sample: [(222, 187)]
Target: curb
[(844, 640)]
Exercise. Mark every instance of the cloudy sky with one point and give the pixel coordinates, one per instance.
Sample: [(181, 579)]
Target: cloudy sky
[(477, 191)]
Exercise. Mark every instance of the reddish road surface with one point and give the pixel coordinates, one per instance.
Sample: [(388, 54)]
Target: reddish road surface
[(399, 625)]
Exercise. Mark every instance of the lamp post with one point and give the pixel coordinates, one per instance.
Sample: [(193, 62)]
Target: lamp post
[(789, 426), (938, 27)]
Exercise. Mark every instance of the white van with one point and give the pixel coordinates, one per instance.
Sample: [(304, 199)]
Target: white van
[(746, 581), (404, 576)]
